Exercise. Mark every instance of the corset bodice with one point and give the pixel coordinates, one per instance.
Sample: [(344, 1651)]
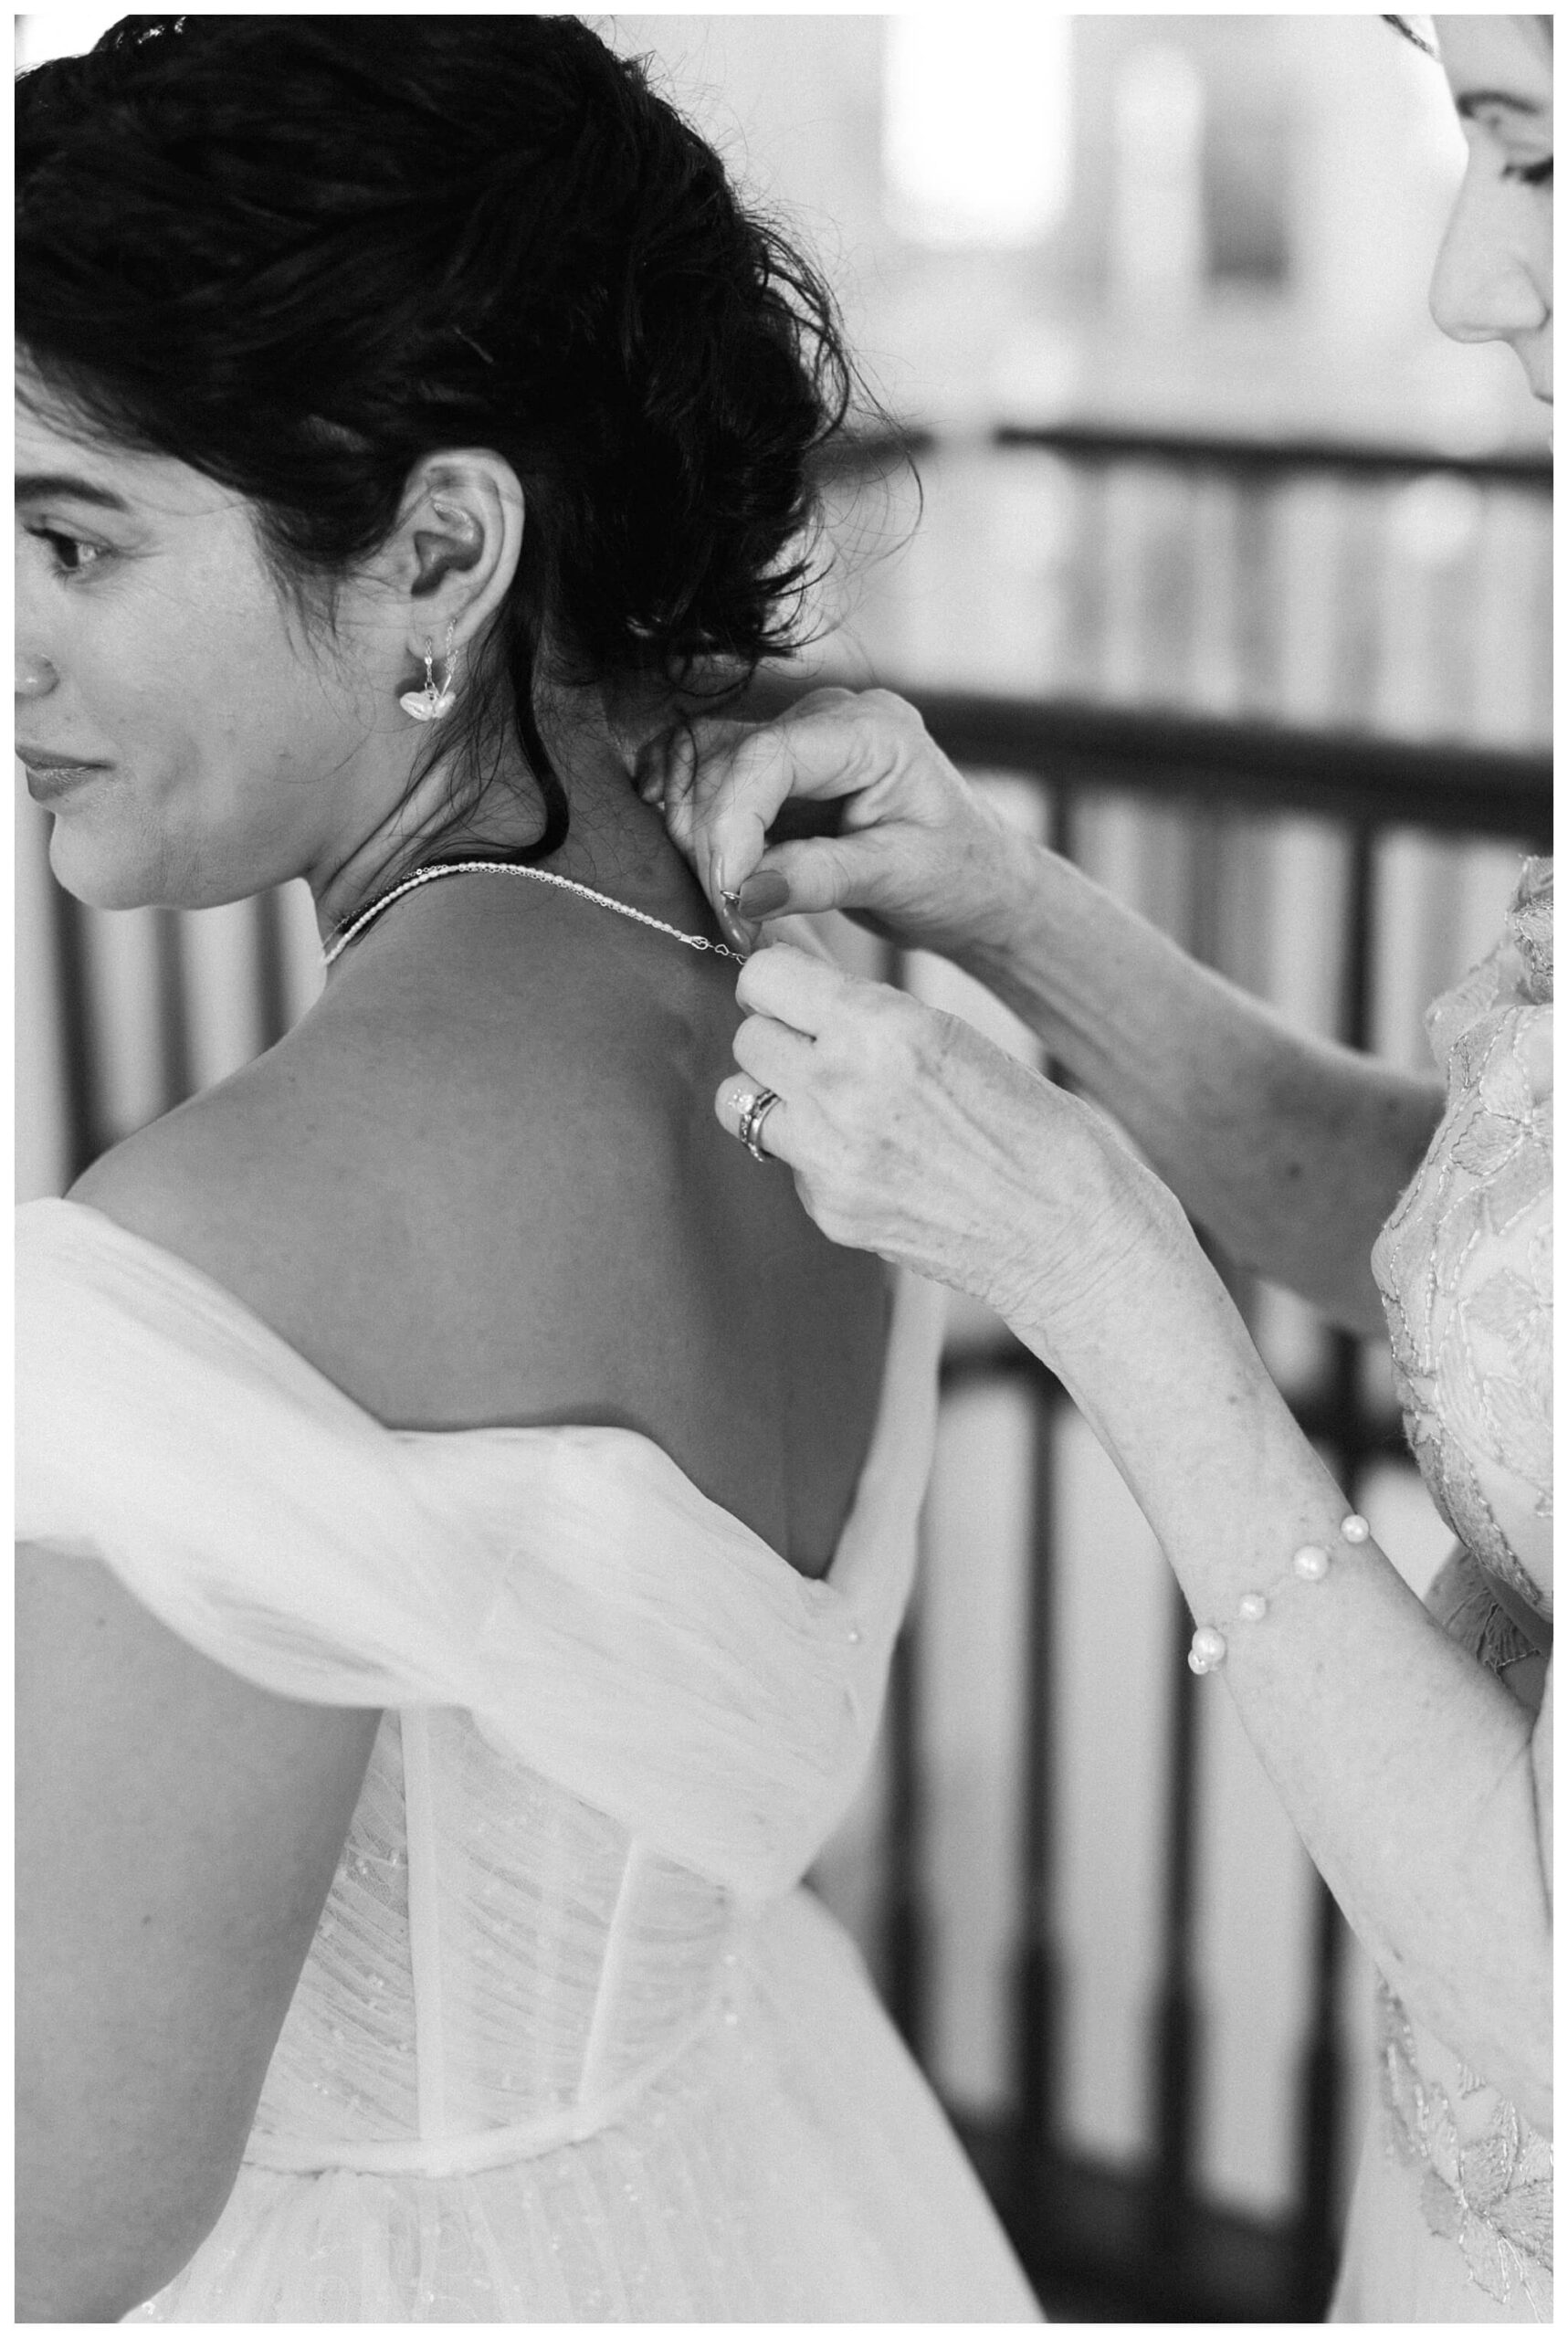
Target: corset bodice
[(617, 1724), (500, 1967)]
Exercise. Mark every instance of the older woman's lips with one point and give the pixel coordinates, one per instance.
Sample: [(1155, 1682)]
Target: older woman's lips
[(50, 777)]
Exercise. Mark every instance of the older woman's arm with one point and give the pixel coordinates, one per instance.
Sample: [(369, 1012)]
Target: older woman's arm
[(177, 1831), (1418, 1783), (1420, 1786), (1289, 1150)]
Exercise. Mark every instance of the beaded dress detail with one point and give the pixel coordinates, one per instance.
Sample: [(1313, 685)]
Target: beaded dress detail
[(571, 2044), (1465, 1268)]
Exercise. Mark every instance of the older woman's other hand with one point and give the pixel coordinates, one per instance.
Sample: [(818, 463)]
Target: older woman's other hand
[(911, 1135), (918, 855)]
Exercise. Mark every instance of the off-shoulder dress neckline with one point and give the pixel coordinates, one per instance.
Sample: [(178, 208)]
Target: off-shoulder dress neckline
[(837, 1586)]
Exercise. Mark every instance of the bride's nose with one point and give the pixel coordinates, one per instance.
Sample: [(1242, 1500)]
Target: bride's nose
[(36, 678), (1485, 285)]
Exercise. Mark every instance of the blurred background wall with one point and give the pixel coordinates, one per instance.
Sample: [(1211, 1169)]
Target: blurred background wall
[(1148, 294), (1217, 219)]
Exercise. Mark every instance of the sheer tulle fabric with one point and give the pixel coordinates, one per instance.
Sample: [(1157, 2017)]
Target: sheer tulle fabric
[(570, 2044)]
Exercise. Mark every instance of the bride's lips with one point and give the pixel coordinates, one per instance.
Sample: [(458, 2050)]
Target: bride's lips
[(50, 775)]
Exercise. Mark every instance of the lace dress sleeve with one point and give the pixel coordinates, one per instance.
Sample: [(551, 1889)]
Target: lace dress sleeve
[(1465, 1268), (1464, 1264)]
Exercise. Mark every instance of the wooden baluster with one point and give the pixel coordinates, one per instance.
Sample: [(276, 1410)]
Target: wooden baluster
[(272, 992), (1038, 1986), (84, 1138), (175, 1063), (905, 1926), (1323, 2087), (1037, 1979), (1177, 2029)]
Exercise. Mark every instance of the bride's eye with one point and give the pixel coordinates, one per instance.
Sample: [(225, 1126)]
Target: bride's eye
[(1531, 174), (69, 555)]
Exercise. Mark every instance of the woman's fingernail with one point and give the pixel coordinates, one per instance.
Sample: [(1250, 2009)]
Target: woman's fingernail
[(738, 937), (762, 894)]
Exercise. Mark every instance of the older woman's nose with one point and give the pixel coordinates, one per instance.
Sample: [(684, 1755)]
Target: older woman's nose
[(1484, 287)]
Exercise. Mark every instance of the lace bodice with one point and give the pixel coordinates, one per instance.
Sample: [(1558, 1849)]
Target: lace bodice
[(1465, 1268), (1465, 1262)]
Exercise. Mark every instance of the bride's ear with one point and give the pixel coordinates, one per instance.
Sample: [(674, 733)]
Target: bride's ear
[(455, 549)]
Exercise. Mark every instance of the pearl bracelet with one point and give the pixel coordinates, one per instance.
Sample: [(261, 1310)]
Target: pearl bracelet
[(1310, 1564)]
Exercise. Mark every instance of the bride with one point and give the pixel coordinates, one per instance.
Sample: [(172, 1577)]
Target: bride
[(465, 1507)]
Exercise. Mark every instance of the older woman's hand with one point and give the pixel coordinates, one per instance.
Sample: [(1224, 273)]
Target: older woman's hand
[(918, 855), (912, 1136)]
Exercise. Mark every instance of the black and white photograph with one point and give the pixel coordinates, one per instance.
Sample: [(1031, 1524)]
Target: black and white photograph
[(783, 1100)]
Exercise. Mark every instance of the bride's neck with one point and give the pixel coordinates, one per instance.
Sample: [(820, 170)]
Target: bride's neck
[(614, 842)]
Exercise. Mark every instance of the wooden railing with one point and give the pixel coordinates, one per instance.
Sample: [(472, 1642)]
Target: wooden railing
[(1239, 456), (1330, 584), (1369, 783)]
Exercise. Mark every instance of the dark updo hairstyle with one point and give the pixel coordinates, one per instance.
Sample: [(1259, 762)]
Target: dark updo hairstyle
[(300, 253)]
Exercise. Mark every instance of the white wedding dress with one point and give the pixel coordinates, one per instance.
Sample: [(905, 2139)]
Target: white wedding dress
[(572, 2043)]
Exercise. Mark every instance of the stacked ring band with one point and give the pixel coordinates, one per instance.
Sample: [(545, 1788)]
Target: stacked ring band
[(753, 1111)]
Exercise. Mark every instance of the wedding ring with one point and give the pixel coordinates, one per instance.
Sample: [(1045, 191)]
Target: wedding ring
[(753, 1111), (746, 1103)]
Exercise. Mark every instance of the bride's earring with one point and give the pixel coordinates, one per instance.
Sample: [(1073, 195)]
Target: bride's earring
[(429, 704)]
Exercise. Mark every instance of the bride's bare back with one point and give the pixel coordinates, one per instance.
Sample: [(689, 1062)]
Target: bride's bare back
[(482, 1183)]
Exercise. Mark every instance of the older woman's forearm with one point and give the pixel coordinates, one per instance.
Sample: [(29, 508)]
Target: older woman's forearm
[(1411, 1772), (1419, 1785), (1290, 1151)]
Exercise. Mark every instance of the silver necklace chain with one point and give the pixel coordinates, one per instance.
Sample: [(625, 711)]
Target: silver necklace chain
[(345, 933)]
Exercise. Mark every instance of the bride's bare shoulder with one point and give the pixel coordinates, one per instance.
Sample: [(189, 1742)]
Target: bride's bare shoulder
[(521, 1209), (375, 1183)]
